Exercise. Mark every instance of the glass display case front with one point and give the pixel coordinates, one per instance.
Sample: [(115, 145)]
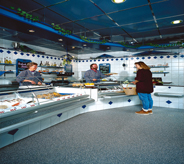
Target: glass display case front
[(20, 97)]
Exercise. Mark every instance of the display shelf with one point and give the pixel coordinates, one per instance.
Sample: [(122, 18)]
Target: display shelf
[(160, 67), (50, 67), (4, 72), (9, 72), (157, 73), (7, 64), (157, 66)]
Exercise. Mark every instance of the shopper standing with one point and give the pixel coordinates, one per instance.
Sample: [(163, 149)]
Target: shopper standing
[(144, 87)]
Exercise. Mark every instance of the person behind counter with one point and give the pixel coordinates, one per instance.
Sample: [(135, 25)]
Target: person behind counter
[(144, 87), (30, 76), (93, 75)]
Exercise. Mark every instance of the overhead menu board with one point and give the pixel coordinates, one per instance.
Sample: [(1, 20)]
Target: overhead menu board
[(21, 65), (104, 68)]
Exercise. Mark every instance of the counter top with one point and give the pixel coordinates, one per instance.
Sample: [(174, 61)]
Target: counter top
[(167, 85)]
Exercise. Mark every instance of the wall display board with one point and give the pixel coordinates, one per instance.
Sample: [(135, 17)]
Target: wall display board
[(105, 68), (21, 65)]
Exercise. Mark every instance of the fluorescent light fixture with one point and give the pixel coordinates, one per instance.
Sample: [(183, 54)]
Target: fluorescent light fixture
[(60, 40), (118, 1), (31, 30), (176, 21)]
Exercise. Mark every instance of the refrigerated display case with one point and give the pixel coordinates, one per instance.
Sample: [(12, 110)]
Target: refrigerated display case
[(35, 108)]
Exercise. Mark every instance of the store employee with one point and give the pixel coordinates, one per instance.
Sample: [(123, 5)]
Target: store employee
[(30, 76), (93, 75)]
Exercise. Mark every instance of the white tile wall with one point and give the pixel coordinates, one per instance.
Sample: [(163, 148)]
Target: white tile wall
[(175, 69)]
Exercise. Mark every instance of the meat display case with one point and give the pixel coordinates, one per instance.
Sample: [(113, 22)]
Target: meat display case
[(41, 105)]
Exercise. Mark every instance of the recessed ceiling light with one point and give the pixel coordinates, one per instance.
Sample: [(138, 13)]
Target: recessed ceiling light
[(60, 40), (31, 30), (118, 1), (84, 45), (177, 21), (73, 47)]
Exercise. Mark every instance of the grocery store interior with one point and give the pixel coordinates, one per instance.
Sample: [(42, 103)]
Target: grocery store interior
[(68, 120)]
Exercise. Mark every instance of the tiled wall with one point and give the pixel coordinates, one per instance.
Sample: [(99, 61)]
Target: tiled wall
[(175, 69)]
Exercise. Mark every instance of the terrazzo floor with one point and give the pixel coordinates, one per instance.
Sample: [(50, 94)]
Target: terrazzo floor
[(114, 136)]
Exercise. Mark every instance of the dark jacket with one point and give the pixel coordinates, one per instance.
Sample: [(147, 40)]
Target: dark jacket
[(145, 84), (28, 75)]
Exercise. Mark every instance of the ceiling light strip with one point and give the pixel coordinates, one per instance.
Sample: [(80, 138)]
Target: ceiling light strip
[(154, 17), (171, 17), (96, 34)]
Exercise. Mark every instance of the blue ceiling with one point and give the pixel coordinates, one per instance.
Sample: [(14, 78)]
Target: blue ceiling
[(134, 20)]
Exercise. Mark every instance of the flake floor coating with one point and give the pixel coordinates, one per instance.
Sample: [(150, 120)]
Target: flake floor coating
[(114, 136)]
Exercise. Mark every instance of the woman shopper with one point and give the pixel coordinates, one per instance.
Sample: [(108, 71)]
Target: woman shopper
[(144, 87)]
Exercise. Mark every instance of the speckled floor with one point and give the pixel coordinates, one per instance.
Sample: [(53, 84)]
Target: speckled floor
[(115, 136)]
